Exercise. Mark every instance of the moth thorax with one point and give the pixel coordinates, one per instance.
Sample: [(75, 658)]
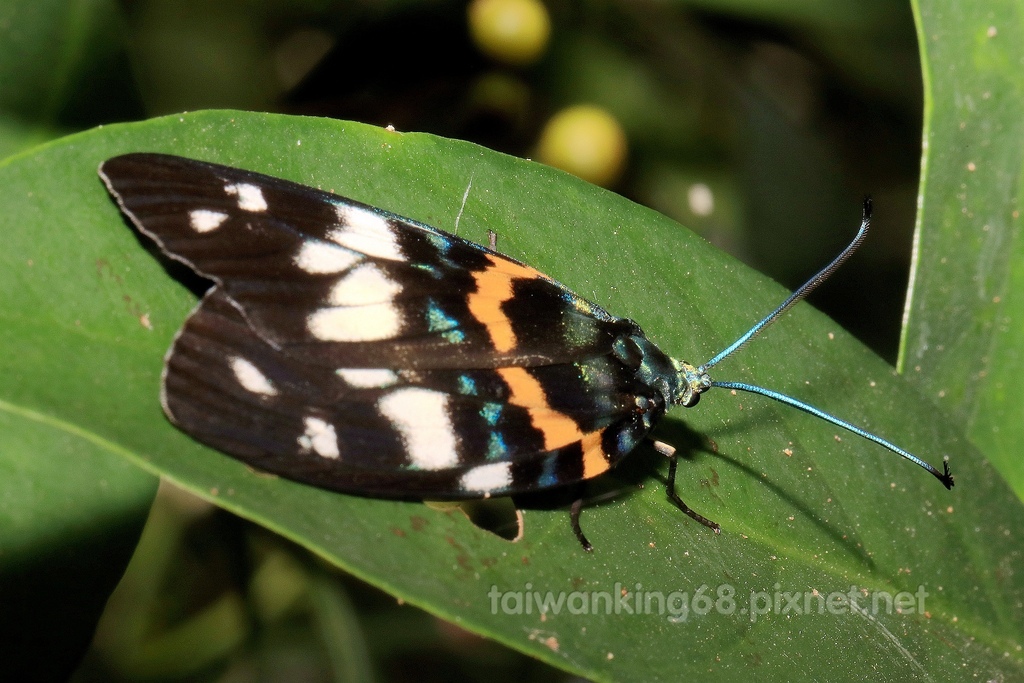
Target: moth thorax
[(651, 366)]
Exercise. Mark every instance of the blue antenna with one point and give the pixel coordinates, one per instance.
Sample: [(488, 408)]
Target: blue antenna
[(698, 380)]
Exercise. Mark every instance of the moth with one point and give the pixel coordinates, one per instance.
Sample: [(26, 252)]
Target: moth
[(353, 349)]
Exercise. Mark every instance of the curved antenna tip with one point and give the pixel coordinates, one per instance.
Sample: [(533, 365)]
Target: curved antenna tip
[(799, 294), (947, 477)]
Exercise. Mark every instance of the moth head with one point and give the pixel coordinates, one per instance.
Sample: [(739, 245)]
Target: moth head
[(695, 381)]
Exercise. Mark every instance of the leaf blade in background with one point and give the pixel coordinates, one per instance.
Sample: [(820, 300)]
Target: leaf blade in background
[(963, 339)]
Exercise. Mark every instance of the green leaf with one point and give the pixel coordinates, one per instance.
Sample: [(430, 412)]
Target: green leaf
[(804, 510), (71, 512), (964, 338)]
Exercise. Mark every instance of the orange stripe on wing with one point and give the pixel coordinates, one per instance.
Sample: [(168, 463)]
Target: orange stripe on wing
[(595, 460), (526, 390), (558, 428), (493, 288)]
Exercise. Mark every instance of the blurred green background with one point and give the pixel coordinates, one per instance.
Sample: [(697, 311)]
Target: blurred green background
[(760, 125)]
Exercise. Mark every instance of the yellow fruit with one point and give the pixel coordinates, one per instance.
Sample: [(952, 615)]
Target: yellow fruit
[(511, 31), (586, 141)]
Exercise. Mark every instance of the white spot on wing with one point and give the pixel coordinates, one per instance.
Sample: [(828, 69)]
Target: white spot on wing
[(366, 284), (250, 377), (496, 476), (355, 323), (204, 220), (421, 417), (321, 258), (319, 438), (364, 231), (367, 378), (250, 197)]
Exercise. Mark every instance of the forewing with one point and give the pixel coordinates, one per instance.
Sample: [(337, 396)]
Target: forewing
[(327, 278)]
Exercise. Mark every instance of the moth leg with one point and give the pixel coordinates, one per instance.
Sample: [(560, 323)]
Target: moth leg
[(574, 519), (492, 240), (670, 452)]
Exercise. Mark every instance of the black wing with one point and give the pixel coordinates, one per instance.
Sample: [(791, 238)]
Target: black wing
[(352, 349)]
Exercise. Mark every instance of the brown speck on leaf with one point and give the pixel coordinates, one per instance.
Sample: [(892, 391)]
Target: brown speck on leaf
[(103, 268)]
